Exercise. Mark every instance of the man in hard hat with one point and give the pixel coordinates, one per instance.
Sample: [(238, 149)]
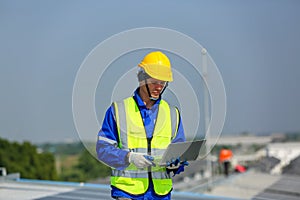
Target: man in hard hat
[(225, 157), (136, 130)]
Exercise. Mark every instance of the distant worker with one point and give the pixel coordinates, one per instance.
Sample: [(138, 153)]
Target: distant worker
[(225, 158), (136, 130)]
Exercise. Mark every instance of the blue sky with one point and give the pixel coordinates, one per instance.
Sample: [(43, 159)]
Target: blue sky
[(255, 45)]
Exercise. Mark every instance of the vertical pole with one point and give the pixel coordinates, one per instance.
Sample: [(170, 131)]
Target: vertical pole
[(58, 164), (206, 117)]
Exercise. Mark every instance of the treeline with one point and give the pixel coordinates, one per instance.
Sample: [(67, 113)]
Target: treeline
[(24, 159), (42, 164), (73, 148), (87, 168), (75, 163), (292, 137)]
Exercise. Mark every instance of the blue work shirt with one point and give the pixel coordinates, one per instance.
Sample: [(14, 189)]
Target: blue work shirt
[(109, 153)]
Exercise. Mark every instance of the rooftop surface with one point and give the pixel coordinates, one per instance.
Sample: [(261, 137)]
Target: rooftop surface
[(249, 185), (243, 186), (49, 190)]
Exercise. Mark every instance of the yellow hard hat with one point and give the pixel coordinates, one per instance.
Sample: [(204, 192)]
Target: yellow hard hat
[(157, 65)]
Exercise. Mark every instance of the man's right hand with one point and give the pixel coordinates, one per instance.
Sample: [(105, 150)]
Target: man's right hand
[(139, 160)]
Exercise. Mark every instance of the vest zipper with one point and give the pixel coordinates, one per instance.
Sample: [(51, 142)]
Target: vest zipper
[(148, 141), (149, 153)]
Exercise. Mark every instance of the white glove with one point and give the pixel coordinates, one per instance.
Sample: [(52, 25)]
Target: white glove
[(139, 160)]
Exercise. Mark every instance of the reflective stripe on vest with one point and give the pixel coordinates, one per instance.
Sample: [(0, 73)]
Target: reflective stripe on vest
[(132, 137)]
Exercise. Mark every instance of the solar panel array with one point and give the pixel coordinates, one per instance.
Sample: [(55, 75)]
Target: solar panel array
[(26, 189), (81, 194), (104, 194), (287, 188)]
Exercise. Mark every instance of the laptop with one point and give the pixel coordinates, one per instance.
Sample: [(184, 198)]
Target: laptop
[(186, 151)]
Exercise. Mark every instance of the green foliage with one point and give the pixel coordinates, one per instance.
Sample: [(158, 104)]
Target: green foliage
[(292, 137), (85, 169), (63, 148), (237, 148), (91, 167), (73, 175), (25, 159)]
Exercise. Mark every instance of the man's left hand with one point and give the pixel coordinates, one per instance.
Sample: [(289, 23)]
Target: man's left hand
[(176, 166)]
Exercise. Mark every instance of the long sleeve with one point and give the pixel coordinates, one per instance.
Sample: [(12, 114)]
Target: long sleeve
[(180, 137), (107, 143)]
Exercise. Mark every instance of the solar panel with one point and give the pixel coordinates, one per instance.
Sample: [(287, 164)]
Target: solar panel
[(285, 188)]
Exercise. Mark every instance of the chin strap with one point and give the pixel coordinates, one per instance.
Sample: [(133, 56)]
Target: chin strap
[(149, 94)]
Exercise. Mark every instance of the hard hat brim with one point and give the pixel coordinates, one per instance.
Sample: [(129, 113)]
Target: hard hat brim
[(159, 72)]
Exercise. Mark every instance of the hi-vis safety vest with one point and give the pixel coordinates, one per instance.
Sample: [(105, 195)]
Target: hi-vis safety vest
[(132, 137)]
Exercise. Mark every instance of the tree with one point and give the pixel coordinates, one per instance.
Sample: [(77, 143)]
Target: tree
[(23, 158), (91, 167)]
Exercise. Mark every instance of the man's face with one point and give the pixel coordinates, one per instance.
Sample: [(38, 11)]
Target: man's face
[(155, 86)]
